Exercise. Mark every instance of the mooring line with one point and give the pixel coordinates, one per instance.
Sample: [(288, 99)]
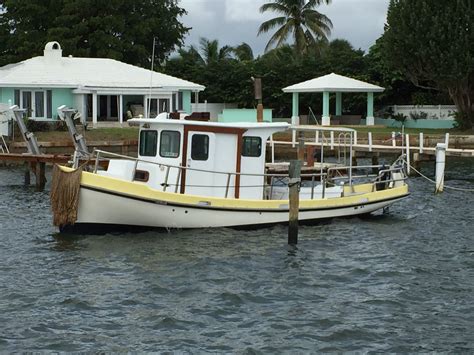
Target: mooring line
[(434, 182)]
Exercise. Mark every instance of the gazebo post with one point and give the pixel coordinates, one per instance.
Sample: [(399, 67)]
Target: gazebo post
[(370, 109), (326, 121), (338, 103), (295, 117)]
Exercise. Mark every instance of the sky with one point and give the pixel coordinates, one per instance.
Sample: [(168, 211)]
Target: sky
[(232, 22)]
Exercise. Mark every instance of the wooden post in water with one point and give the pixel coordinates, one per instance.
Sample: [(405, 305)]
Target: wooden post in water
[(27, 174), (40, 173), (294, 200), (301, 149)]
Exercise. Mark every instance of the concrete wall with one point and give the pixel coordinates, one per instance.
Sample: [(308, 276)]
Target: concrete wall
[(62, 97), (215, 109), (441, 112), (244, 115), (7, 94), (187, 101), (426, 123)]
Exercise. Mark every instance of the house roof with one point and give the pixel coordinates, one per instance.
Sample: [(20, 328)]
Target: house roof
[(54, 70), (333, 83)]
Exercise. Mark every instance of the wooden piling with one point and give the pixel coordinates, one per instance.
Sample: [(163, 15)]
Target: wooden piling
[(301, 149), (294, 200), (27, 174), (40, 172), (375, 161)]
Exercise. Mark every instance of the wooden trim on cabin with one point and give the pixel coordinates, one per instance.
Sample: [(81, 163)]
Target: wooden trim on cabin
[(224, 130)]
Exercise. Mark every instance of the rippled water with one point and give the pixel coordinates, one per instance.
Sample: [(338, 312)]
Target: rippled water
[(402, 282)]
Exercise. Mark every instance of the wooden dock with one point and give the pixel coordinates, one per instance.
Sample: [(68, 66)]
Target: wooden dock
[(36, 164)]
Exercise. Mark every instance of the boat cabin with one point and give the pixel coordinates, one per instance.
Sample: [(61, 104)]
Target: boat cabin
[(218, 157)]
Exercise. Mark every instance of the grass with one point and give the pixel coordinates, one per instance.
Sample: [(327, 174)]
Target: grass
[(91, 135), (131, 133)]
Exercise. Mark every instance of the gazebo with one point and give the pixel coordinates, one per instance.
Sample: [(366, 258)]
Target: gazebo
[(333, 83)]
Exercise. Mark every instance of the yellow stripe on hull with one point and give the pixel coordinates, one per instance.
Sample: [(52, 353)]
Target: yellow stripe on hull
[(363, 195)]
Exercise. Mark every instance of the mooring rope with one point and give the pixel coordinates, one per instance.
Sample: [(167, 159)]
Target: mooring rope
[(434, 182)]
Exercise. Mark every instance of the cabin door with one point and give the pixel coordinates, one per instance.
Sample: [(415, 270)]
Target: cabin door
[(201, 156)]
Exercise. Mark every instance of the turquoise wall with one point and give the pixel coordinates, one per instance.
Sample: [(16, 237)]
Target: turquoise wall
[(62, 97), (243, 115), (7, 94), (187, 101), (427, 123)]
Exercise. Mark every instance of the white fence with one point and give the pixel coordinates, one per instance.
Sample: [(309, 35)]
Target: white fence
[(439, 112), (215, 109)]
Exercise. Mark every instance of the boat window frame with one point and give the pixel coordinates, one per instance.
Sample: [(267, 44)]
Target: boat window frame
[(179, 143), (206, 149), (140, 151), (249, 153)]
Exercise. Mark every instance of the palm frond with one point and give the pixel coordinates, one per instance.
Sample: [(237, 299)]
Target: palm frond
[(268, 25)]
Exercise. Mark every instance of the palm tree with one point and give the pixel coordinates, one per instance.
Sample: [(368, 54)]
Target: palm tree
[(243, 52), (211, 53), (298, 19)]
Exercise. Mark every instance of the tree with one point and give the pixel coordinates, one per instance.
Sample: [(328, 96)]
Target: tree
[(431, 43), (211, 53), (118, 29), (298, 19), (243, 52)]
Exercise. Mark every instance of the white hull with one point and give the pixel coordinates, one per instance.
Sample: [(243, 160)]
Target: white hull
[(104, 208)]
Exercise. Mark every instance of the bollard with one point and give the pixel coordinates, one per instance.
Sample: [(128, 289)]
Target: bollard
[(355, 138), (294, 200), (370, 141), (421, 143), (407, 140), (394, 140), (440, 164)]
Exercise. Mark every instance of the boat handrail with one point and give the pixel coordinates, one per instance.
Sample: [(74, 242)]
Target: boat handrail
[(325, 177), (103, 152)]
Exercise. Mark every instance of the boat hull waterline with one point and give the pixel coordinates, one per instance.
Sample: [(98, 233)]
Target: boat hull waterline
[(107, 201)]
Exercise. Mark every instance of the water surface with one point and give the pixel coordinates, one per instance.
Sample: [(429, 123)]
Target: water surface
[(402, 282)]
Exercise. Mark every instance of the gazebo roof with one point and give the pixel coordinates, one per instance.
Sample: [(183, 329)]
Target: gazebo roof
[(333, 83)]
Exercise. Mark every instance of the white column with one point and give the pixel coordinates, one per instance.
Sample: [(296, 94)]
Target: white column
[(120, 108), (145, 106), (94, 109)]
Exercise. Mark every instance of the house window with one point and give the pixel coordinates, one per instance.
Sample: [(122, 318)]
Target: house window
[(148, 142), (157, 106), (252, 147), (38, 104), (169, 144), (200, 147)]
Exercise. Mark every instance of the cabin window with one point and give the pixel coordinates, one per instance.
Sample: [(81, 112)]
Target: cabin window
[(200, 147), (148, 142), (252, 147), (141, 175), (169, 144)]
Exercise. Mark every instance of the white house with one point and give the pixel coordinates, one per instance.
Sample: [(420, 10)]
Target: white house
[(101, 89)]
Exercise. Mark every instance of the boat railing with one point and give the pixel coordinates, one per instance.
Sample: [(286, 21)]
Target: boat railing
[(326, 179)]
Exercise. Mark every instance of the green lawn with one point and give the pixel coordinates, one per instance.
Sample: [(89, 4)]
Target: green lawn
[(99, 134)]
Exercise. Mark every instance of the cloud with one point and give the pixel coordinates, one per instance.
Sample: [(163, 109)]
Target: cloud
[(232, 22)]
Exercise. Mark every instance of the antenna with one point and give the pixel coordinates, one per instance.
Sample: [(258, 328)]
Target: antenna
[(151, 78)]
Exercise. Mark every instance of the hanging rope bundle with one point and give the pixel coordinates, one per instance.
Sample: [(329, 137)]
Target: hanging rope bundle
[(65, 195)]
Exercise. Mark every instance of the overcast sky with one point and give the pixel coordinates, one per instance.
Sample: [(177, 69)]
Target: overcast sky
[(232, 22)]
